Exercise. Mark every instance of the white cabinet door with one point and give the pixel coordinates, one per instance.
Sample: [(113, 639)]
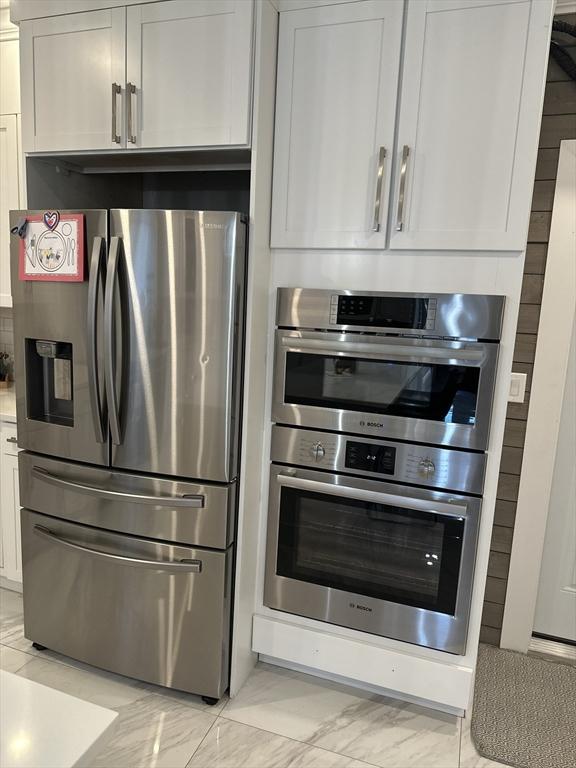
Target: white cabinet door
[(9, 76), (189, 62), (68, 67), (469, 115), (10, 547), (335, 114), (9, 198)]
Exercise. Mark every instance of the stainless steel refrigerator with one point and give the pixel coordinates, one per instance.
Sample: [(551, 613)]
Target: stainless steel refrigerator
[(128, 403)]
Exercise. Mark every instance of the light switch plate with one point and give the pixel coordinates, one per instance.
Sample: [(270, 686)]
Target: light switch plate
[(517, 387)]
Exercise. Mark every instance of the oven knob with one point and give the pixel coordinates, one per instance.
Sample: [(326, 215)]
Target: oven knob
[(318, 451), (426, 467)]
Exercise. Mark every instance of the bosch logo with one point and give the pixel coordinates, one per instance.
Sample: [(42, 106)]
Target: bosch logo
[(372, 424), (360, 607)]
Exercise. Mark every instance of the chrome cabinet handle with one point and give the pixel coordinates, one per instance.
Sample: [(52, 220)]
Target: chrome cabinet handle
[(379, 181), (95, 278), (130, 91), (12, 440), (190, 501), (109, 342), (434, 507), (402, 190), (190, 566), (116, 90)]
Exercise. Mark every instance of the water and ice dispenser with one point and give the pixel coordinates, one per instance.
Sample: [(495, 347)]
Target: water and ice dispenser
[(50, 392)]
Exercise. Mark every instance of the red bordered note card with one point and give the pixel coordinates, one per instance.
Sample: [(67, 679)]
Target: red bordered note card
[(53, 247)]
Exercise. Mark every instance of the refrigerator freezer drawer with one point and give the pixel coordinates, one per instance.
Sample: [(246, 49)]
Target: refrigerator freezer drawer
[(195, 514), (151, 611)]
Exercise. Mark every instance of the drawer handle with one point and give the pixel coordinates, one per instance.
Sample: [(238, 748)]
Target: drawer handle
[(189, 566), (12, 440), (196, 501)]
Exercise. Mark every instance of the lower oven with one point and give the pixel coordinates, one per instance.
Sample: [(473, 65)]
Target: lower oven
[(384, 558)]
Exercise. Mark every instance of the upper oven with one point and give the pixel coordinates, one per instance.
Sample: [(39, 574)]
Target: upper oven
[(409, 367)]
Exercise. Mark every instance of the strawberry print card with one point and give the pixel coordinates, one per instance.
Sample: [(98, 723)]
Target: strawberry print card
[(53, 247)]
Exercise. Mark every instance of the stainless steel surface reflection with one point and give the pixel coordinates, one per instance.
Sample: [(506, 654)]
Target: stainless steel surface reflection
[(179, 335), (382, 403), (421, 626), (129, 390), (437, 468), (154, 611)]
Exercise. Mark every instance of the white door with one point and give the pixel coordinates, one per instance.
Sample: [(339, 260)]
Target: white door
[(556, 605), (459, 129), (335, 111), (9, 198), (69, 68), (189, 64), (10, 545)]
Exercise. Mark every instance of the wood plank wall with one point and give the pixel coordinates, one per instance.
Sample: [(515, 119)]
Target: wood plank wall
[(558, 122)]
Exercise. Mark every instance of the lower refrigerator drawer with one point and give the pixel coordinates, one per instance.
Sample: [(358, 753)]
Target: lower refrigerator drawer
[(153, 611)]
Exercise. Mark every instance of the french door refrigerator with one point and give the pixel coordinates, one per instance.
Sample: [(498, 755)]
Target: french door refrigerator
[(128, 405)]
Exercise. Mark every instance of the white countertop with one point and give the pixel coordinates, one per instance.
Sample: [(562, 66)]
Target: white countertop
[(44, 728), (8, 404)]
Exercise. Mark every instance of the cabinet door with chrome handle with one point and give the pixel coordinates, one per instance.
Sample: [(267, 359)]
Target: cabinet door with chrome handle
[(335, 113), (72, 73), (465, 147)]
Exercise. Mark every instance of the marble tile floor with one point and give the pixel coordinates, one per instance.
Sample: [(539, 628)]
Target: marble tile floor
[(280, 719)]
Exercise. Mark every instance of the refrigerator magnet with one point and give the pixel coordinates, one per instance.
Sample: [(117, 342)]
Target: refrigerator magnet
[(53, 247)]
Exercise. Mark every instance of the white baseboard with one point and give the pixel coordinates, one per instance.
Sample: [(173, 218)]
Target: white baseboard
[(362, 686), (440, 686)]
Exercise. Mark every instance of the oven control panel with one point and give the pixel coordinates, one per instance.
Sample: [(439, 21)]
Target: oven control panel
[(382, 312), (442, 468), (370, 457)]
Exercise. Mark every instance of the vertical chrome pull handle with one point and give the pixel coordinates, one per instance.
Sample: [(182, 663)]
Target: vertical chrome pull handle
[(130, 91), (94, 281), (402, 190), (116, 90), (379, 182), (109, 341)]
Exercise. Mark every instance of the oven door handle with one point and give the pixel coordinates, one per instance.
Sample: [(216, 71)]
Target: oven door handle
[(362, 494), (415, 351)]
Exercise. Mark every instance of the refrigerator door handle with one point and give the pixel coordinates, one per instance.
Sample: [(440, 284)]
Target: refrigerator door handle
[(109, 345), (97, 399), (189, 500), (189, 566)]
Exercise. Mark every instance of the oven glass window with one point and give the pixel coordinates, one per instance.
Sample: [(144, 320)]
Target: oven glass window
[(387, 552), (433, 391)]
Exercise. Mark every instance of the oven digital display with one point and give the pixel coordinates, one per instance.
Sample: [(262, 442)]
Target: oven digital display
[(385, 311), (371, 457)]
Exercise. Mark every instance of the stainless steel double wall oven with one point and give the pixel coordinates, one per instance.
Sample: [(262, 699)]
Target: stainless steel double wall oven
[(128, 405), (382, 404)]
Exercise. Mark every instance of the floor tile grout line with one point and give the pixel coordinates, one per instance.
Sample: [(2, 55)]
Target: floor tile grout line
[(297, 741), (202, 741)]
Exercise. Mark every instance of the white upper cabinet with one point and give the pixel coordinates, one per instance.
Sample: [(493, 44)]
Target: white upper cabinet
[(9, 198), (189, 65), (464, 125), (335, 113), (68, 67), (165, 74)]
